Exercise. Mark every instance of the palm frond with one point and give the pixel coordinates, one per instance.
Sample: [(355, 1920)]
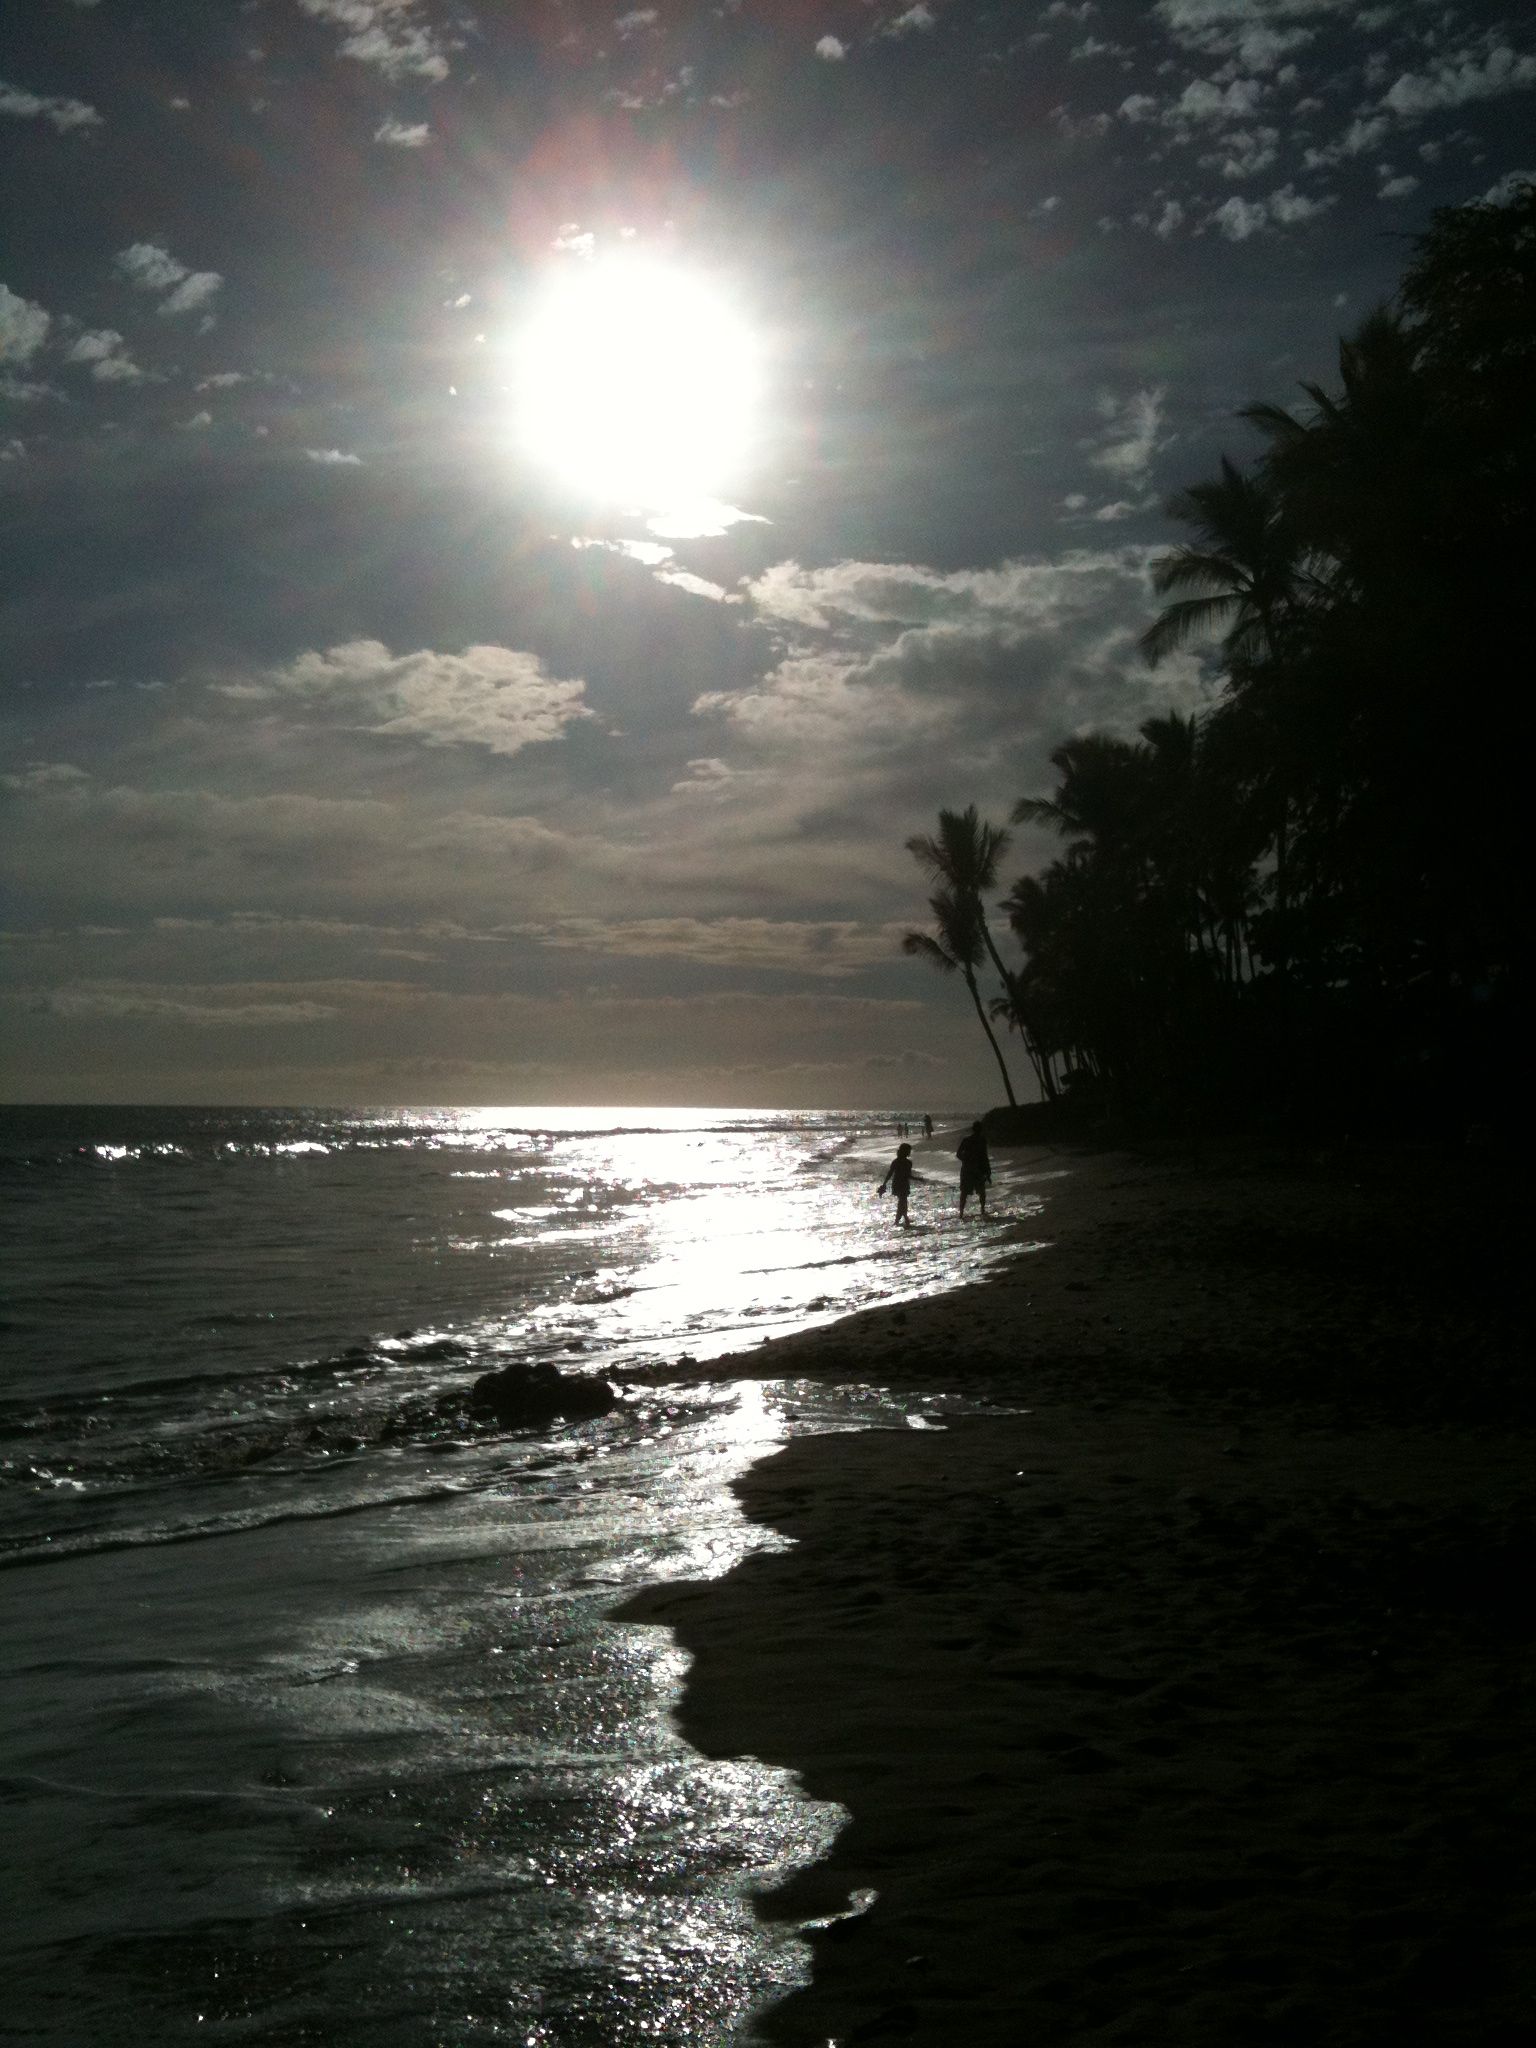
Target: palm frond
[(1191, 618), (922, 947)]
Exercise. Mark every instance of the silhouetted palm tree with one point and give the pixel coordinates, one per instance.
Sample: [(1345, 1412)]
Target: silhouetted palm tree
[(964, 857), (958, 948), (1245, 572)]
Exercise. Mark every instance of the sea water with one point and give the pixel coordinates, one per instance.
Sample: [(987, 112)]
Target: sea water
[(314, 1727)]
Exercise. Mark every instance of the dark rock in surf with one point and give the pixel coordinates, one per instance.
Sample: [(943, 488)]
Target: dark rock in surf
[(528, 1396)]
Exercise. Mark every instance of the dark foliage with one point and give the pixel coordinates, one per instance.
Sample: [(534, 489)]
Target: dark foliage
[(1306, 901)]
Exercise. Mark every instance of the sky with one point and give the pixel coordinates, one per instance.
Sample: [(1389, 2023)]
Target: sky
[(514, 513)]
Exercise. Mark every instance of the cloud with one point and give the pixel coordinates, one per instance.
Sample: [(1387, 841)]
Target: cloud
[(400, 135), (1364, 134), (209, 846), (492, 697), (1130, 437), (636, 22), (1204, 100), (332, 458), (195, 290), (23, 327), (897, 674), (387, 34), (1290, 208), (199, 1007), (198, 422), (696, 586), (823, 948), (1456, 80), (65, 114), (152, 269), (1507, 187), (1246, 153), (915, 21), (831, 50), (1240, 219), (110, 362), (1170, 220)]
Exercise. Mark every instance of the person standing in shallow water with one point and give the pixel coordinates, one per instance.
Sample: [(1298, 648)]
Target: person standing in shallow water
[(975, 1168), (898, 1176)]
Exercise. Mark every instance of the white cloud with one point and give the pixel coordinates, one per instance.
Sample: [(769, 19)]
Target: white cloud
[(636, 22), (23, 327), (110, 362), (153, 269), (493, 697), (696, 586), (201, 1007), (1246, 153), (1170, 220), (65, 114), (387, 34), (1364, 133), (198, 422), (824, 948), (1290, 207), (195, 290), (1240, 218), (916, 20), (1204, 100), (332, 458), (831, 50), (1506, 188), (1398, 187), (1130, 437), (1456, 80), (150, 267), (403, 135)]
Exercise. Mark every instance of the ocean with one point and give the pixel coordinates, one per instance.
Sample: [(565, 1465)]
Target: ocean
[(316, 1727)]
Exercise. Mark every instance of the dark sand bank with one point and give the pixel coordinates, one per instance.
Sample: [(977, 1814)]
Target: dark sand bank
[(1192, 1705)]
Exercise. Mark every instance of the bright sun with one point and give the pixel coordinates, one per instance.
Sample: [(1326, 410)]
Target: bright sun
[(636, 383)]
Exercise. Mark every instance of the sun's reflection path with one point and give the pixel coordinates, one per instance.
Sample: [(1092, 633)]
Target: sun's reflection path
[(516, 1828)]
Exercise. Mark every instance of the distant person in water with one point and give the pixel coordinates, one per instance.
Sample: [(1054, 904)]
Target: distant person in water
[(898, 1177), (927, 1126), (975, 1168)]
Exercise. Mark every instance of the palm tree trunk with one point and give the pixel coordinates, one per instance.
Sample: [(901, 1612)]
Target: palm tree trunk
[(997, 1051)]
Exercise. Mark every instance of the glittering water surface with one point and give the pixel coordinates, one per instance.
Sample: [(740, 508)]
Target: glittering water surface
[(316, 1724)]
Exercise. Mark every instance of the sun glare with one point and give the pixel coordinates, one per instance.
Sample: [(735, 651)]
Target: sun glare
[(636, 383)]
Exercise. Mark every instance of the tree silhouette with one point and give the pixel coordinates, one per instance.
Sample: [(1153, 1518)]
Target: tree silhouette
[(964, 857), (956, 946)]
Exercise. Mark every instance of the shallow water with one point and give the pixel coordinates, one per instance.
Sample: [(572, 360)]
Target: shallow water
[(316, 1726)]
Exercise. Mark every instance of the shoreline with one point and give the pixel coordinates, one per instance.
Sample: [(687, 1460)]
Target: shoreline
[(1184, 1702)]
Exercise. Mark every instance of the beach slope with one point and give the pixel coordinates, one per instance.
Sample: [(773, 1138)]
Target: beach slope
[(1185, 1699)]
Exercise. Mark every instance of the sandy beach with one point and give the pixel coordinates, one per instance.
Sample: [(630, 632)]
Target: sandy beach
[(1183, 1698)]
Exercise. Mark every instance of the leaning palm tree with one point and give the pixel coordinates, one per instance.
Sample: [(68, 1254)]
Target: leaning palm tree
[(955, 947), (964, 859)]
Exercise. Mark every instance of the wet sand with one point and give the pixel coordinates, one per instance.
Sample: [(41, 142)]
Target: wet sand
[(1185, 1698)]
